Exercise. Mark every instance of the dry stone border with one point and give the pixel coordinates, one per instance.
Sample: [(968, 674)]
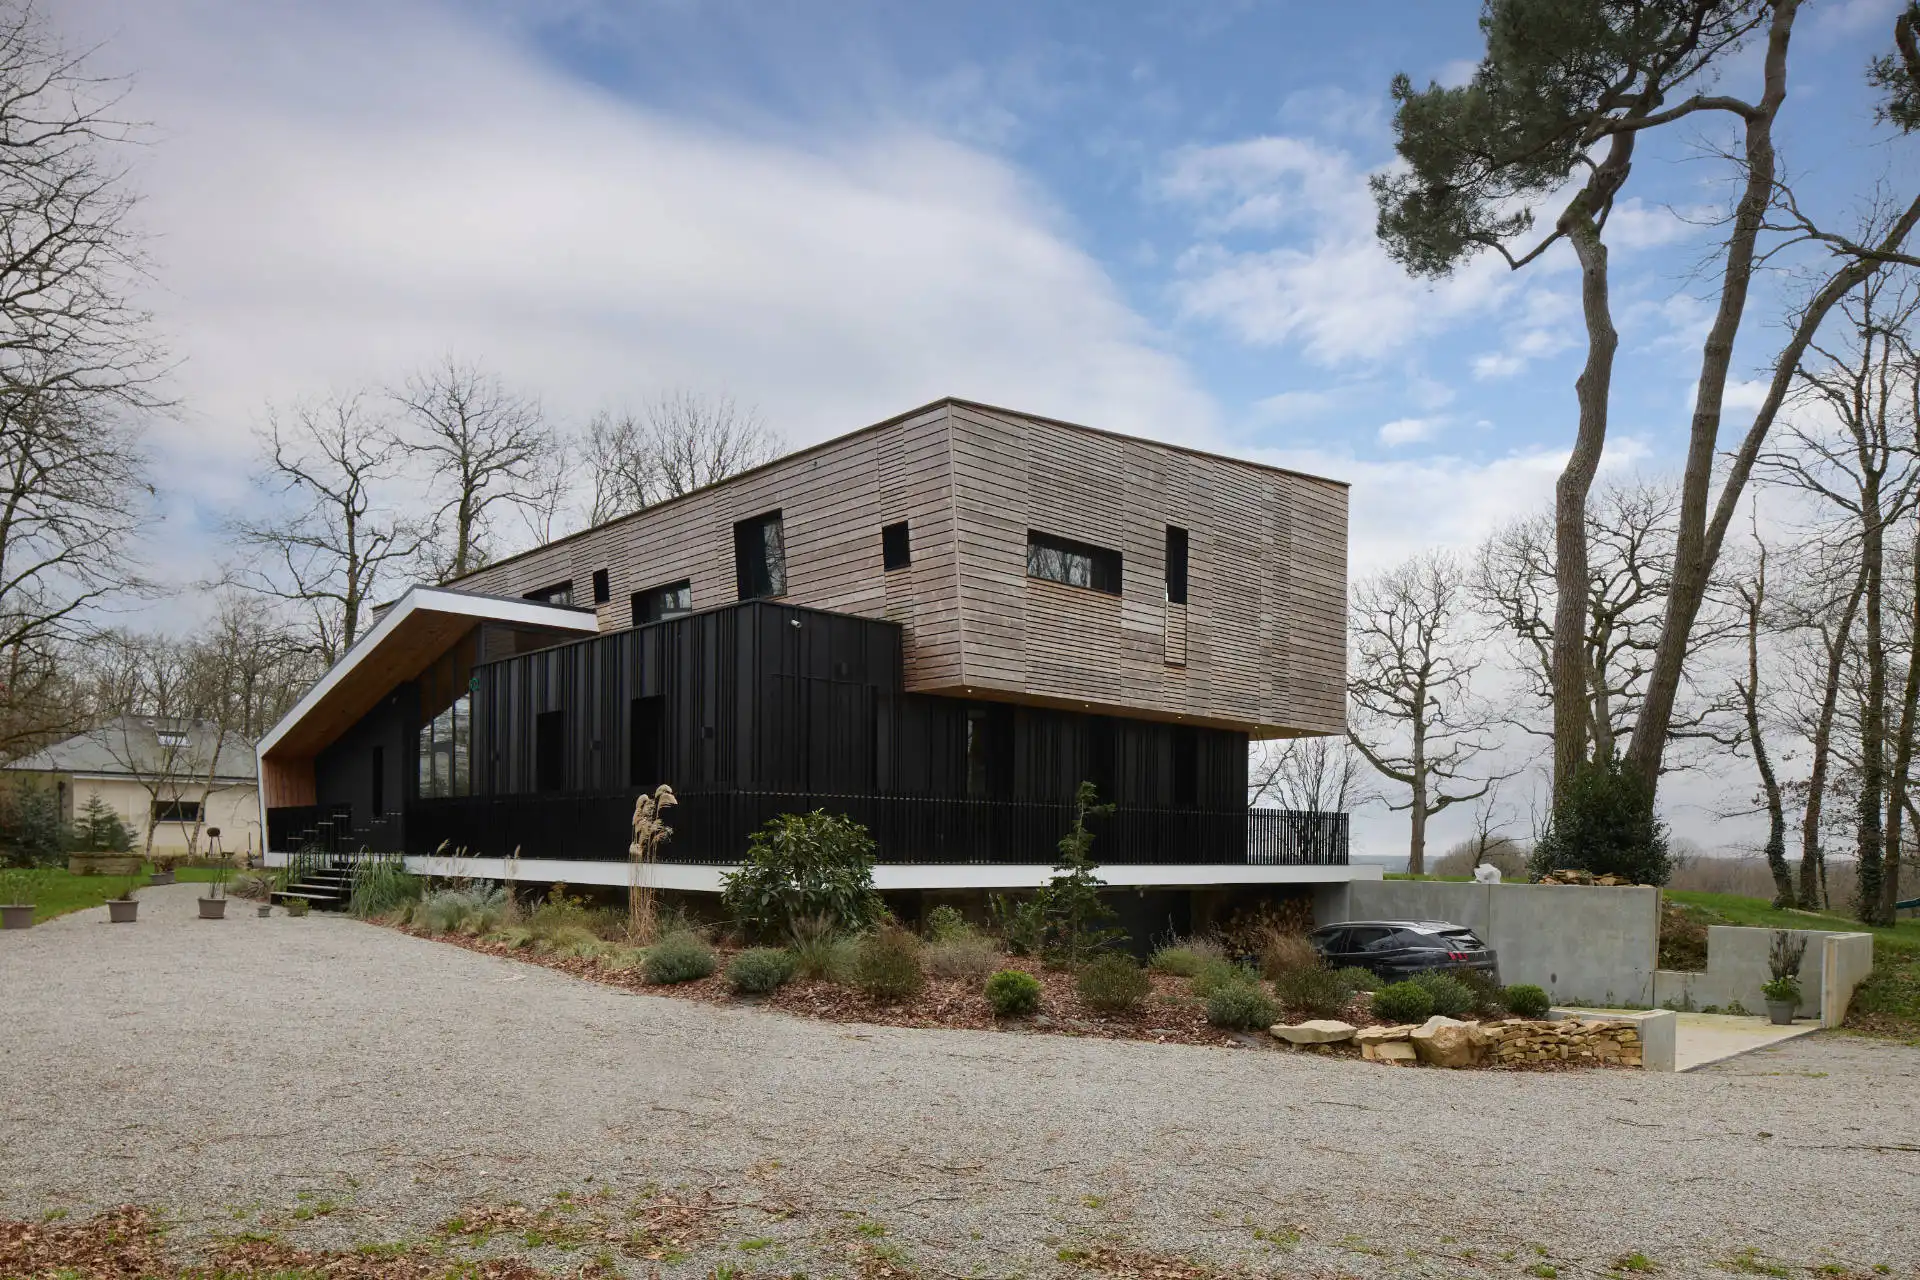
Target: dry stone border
[(1454, 1044)]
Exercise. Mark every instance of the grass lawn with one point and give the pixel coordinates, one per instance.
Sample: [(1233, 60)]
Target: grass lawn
[(57, 891), (1888, 1003)]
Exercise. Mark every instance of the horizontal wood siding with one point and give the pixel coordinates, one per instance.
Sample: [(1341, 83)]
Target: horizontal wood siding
[(1264, 633)]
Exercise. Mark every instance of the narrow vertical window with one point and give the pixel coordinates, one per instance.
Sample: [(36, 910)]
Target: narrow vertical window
[(550, 751), (645, 763), (602, 588), (1176, 565), (760, 557), (979, 753), (896, 548)]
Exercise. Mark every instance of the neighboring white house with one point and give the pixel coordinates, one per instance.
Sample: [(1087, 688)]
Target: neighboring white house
[(161, 774)]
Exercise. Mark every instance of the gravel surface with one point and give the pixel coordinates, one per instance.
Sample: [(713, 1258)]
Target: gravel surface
[(343, 1082)]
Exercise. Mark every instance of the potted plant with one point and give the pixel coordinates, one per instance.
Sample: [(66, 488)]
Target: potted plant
[(124, 909), (163, 867), (1783, 991), (16, 898), (213, 903)]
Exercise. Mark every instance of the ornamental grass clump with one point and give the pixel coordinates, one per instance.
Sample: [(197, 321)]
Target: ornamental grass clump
[(887, 964), (379, 888), (1114, 984), (473, 911), (1013, 993), (1282, 953), (1400, 1002), (1241, 1006), (678, 957), (964, 955), (759, 971)]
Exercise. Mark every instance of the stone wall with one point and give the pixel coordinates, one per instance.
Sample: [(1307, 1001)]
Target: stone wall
[(1593, 1042)]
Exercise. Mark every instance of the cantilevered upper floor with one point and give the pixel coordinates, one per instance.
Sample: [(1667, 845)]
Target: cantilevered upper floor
[(1026, 560)]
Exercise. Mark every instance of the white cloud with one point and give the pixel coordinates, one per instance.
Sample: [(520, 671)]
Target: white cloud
[(1333, 290), (338, 193), (1456, 72), (1295, 406), (1496, 365), (1409, 431)]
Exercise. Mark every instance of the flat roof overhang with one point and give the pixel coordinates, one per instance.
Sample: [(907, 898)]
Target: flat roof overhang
[(419, 627)]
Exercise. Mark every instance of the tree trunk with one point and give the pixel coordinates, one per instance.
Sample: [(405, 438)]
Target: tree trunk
[(1870, 840), (1769, 784), (1417, 828), (1571, 722), (1695, 550), (1813, 878), (1902, 764)]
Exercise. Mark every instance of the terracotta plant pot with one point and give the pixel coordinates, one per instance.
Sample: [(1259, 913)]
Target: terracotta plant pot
[(16, 915), (1780, 1012), (123, 910), (213, 908)]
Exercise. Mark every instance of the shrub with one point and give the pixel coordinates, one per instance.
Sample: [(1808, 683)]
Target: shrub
[(30, 827), (379, 888), (1488, 999), (1451, 997), (1114, 984), (966, 955), (567, 940), (1216, 972), (1604, 823), (1358, 979), (98, 829), (886, 964), (1078, 920), (1525, 1000), (803, 865), (678, 957), (1403, 1002), (561, 919), (1241, 1006), (475, 911), (1286, 953), (945, 923), (759, 971), (1316, 992), (298, 906), (1013, 993), (1020, 922), (1180, 962)]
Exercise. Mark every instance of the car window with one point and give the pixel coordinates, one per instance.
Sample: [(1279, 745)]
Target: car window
[(1463, 940), (1329, 939), (1414, 940), (1366, 939)]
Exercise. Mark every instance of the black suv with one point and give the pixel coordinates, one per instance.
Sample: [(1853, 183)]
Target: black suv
[(1396, 949)]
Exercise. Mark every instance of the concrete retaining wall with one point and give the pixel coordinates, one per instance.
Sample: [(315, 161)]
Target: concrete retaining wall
[(1737, 969), (1588, 946)]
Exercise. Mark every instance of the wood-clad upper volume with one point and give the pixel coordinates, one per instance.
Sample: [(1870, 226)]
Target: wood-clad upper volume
[(1013, 524)]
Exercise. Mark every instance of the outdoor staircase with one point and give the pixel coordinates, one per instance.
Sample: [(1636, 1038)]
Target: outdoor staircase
[(324, 888)]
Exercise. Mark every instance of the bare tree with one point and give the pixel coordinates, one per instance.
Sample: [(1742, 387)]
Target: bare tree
[(1308, 775), (676, 444), (1753, 598), (484, 446), (143, 691), (1418, 721), (75, 361), (1853, 451), (337, 539), (1630, 530)]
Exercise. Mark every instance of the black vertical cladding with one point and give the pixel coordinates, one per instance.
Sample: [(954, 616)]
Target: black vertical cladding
[(382, 739), (762, 696)]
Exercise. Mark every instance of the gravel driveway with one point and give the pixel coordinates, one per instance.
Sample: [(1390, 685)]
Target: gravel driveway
[(236, 1072)]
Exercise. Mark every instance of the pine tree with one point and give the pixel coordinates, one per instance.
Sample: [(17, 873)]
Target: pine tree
[(1079, 922)]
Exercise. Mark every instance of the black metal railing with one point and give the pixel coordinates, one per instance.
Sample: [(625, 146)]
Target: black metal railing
[(713, 827)]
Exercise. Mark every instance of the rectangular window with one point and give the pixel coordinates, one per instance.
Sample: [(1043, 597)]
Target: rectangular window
[(602, 588), (979, 753), (646, 743), (657, 604), (446, 764), (1186, 768), (1176, 564), (558, 593), (896, 548), (1077, 564), (176, 811), (760, 557), (550, 751)]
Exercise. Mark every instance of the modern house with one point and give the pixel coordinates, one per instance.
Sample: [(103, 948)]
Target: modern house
[(173, 778), (939, 625)]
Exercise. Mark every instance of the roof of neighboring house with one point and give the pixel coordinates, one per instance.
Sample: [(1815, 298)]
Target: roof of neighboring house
[(131, 747)]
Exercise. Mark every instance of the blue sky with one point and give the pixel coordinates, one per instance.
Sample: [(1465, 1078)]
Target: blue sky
[(1149, 217)]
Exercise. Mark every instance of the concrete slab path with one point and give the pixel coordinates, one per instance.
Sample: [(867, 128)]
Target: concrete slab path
[(1701, 1038)]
